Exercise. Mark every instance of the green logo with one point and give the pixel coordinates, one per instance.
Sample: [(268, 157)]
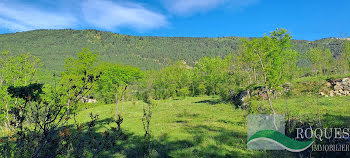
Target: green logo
[(266, 132), (280, 139)]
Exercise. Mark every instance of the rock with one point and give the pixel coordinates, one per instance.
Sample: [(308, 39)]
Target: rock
[(92, 101), (337, 87), (337, 83), (346, 88), (240, 98)]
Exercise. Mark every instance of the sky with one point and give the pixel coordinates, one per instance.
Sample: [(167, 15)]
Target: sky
[(305, 19)]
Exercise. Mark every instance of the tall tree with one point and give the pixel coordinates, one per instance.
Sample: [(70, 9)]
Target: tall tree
[(321, 60), (77, 70), (344, 59), (272, 52), (116, 79), (212, 70), (247, 60), (15, 70), (173, 80)]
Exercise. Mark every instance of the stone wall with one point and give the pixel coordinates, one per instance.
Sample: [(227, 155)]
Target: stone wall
[(337, 87)]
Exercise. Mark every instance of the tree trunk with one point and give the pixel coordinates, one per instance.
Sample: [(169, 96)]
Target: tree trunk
[(254, 73), (116, 105), (268, 92), (7, 117), (318, 111), (250, 78), (122, 101), (288, 114), (193, 90)]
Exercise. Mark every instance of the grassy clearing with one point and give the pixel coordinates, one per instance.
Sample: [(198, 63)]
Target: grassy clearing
[(204, 127), (334, 111), (198, 126)]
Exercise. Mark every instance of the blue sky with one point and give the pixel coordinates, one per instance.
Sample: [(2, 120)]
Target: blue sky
[(305, 19)]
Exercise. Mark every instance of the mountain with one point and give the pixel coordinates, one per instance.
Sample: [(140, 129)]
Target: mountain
[(146, 52)]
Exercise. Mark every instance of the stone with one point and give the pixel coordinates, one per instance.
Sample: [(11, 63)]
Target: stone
[(346, 88), (337, 87), (92, 101), (337, 84)]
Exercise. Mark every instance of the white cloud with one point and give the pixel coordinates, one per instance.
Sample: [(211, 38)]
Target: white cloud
[(186, 7), (189, 6), (13, 26), (109, 15), (19, 17)]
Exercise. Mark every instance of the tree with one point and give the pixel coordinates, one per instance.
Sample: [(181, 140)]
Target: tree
[(344, 59), (211, 70), (173, 80), (76, 71), (321, 60), (247, 60), (18, 70), (116, 79), (272, 53)]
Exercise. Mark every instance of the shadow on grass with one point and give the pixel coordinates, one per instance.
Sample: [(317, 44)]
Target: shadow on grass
[(235, 103), (216, 142), (204, 141), (211, 102), (82, 141), (336, 121)]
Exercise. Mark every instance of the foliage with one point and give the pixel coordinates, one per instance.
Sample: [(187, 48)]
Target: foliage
[(17, 70), (77, 71), (41, 118), (344, 58), (321, 59), (45, 117), (114, 79), (147, 53), (172, 81)]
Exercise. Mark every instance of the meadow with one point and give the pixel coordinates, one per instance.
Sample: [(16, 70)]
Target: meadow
[(206, 127), (92, 107)]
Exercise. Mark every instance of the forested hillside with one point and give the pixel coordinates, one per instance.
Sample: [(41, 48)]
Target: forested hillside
[(97, 105), (53, 46)]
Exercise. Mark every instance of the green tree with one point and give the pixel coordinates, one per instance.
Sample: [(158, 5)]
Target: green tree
[(247, 60), (115, 80), (344, 59), (77, 70), (15, 70), (211, 70), (173, 80), (321, 60), (272, 53)]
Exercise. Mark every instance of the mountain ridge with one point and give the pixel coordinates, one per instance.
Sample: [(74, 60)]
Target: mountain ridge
[(146, 52)]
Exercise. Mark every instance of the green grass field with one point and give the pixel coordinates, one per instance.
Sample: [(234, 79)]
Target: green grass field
[(205, 127)]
